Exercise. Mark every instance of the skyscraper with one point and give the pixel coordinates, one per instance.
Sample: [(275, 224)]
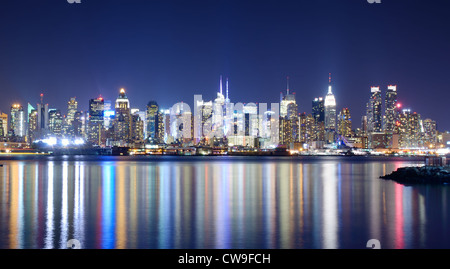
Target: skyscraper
[(95, 121), (137, 127), (285, 100), (180, 122), (252, 123), (285, 131), (318, 113), (429, 132), (3, 125), (289, 127), (17, 122), (228, 113), (390, 109), (122, 122), (55, 122), (203, 121), (72, 106), (32, 124), (77, 124), (310, 134), (409, 129), (42, 117), (330, 113), (318, 109), (168, 138), (218, 119), (374, 114), (302, 127), (292, 115), (345, 123), (364, 124), (154, 119)]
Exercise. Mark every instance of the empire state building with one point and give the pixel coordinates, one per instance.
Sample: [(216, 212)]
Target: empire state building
[(330, 113)]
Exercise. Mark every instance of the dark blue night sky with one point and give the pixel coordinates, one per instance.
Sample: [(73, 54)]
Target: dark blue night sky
[(170, 50)]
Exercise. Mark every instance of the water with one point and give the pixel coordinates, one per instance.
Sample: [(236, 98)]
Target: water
[(217, 202)]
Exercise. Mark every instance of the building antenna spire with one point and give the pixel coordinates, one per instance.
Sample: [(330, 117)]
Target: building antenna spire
[(220, 84), (329, 83), (287, 85), (227, 88), (42, 98)]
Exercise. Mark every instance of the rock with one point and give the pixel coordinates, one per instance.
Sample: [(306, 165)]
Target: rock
[(424, 174)]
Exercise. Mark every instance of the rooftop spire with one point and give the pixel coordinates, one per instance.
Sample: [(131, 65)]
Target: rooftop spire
[(287, 85), (220, 84), (329, 83), (227, 88)]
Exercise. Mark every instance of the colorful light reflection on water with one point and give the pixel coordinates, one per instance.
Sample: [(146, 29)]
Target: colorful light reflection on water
[(175, 202)]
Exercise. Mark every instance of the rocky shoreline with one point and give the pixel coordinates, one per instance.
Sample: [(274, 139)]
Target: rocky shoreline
[(421, 175)]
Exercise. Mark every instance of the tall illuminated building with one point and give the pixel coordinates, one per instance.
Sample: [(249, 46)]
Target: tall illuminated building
[(160, 127), (292, 115), (318, 109), (265, 129), (154, 118), (302, 127), (364, 129), (32, 124), (122, 122), (228, 112), (285, 131), (409, 129), (168, 138), (55, 122), (72, 106), (142, 118), (310, 134), (95, 123), (203, 121), (3, 125), (429, 132), (251, 125), (137, 127), (77, 124), (416, 130), (238, 124), (285, 100), (18, 122), (345, 123), (390, 111), (84, 118), (181, 122), (374, 112), (318, 112), (403, 128), (42, 117), (330, 113), (187, 126), (218, 113), (289, 128), (109, 114)]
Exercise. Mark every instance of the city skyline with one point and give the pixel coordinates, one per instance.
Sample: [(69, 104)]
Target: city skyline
[(155, 48), (382, 91), (227, 123)]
